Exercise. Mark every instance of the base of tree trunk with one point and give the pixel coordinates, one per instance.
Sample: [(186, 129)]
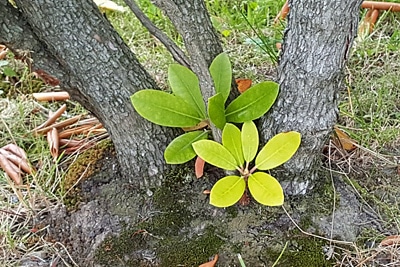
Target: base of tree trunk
[(174, 225)]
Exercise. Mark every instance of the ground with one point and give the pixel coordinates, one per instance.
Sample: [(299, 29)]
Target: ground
[(353, 208)]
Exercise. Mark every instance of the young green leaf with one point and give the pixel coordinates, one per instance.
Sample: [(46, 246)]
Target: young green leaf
[(185, 84), (216, 110), (227, 191), (231, 140), (278, 150), (221, 73), (180, 150), (215, 154), (249, 140), (265, 189), (253, 103), (164, 109)]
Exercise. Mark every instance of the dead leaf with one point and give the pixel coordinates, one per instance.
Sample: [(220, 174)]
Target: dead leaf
[(11, 170), (105, 5), (198, 126), (51, 96), (3, 54), (345, 141), (199, 167), (16, 150), (20, 163), (58, 125), (210, 263), (390, 240), (243, 84), (52, 118), (47, 78), (54, 143)]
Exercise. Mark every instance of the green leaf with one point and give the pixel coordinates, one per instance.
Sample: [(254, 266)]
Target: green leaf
[(9, 72), (164, 109), (253, 103), (180, 150), (227, 191), (249, 140), (231, 140), (265, 189), (185, 84), (215, 154), (221, 73), (278, 150), (216, 110)]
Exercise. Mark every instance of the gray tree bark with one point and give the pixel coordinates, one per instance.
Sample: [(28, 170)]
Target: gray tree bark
[(316, 45), (96, 67)]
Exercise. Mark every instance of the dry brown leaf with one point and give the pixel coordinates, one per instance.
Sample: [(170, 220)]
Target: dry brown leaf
[(20, 163), (58, 125), (210, 263), (198, 126), (70, 142), (75, 131), (207, 192), (3, 54), (54, 143), (16, 150), (199, 167), (345, 141), (51, 96), (243, 84), (11, 170), (390, 240), (46, 78), (51, 119)]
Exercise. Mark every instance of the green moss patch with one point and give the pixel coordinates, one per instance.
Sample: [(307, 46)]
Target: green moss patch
[(302, 251), (81, 169), (167, 237)]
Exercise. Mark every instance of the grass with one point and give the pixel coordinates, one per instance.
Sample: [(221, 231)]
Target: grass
[(369, 112)]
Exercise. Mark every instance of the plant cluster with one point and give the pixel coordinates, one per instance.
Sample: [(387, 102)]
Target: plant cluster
[(184, 107)]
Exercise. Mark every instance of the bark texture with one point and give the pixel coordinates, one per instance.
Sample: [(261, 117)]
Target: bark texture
[(74, 42), (317, 42), (193, 23)]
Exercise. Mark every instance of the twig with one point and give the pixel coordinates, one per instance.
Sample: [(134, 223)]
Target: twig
[(316, 236), (176, 52)]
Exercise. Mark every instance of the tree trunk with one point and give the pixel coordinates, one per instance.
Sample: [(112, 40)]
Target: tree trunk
[(73, 41), (192, 21), (156, 217), (316, 45)]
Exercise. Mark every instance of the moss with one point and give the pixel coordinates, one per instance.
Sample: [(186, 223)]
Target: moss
[(192, 252), (301, 251), (82, 168), (232, 211), (113, 250), (168, 235)]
